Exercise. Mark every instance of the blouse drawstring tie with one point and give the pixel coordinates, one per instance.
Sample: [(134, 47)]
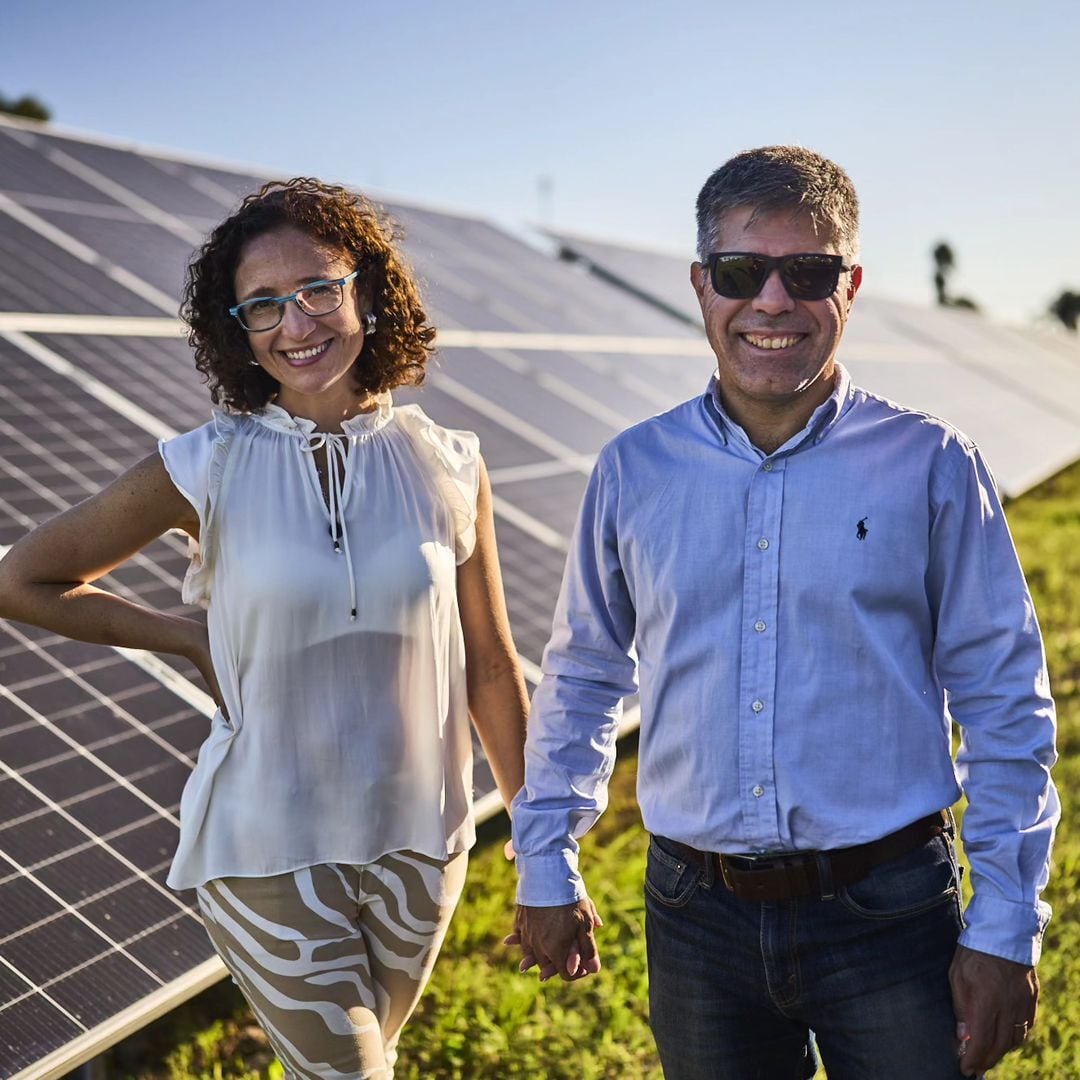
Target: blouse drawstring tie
[(336, 459)]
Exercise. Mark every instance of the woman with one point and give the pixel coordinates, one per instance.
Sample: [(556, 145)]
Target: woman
[(345, 550)]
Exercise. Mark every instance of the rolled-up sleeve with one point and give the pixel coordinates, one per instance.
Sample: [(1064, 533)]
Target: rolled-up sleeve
[(588, 668), (989, 656)]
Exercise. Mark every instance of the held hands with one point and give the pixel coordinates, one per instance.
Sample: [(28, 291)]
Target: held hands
[(558, 940), (995, 1002)]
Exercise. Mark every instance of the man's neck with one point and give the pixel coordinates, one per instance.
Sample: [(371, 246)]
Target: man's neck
[(769, 425), (767, 429)]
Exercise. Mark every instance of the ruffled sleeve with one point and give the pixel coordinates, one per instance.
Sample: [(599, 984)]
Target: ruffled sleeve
[(454, 460), (196, 463)]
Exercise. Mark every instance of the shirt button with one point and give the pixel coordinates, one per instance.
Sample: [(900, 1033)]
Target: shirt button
[(758, 791), (763, 543), (767, 466), (757, 706), (759, 626)]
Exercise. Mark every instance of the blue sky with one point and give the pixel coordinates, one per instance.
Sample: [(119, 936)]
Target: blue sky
[(957, 121)]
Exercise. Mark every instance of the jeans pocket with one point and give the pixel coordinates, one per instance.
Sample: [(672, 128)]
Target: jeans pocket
[(906, 886), (669, 879)]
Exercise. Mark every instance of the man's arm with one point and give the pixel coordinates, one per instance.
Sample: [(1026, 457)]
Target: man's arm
[(570, 746), (988, 654)]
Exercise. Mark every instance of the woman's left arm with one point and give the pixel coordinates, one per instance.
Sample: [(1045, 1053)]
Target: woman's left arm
[(498, 702)]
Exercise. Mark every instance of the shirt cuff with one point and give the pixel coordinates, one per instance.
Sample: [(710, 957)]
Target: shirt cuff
[(1013, 931), (549, 880)]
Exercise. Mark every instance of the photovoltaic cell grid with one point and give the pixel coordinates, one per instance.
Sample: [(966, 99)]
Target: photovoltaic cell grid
[(93, 755), (95, 748), (153, 255), (36, 275), (1015, 392)]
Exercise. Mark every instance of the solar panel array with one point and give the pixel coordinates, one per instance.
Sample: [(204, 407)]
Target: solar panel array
[(1015, 392), (543, 362)]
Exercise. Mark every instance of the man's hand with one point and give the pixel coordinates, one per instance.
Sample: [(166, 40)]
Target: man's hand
[(558, 940), (995, 1002)]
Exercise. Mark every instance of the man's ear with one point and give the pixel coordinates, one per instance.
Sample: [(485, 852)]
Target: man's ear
[(853, 283), (698, 277)]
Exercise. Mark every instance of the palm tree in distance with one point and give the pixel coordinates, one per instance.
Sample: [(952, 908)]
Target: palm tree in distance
[(944, 264), (944, 261), (1067, 308)]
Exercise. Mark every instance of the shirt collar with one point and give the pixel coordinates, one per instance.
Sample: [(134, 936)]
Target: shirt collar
[(821, 421)]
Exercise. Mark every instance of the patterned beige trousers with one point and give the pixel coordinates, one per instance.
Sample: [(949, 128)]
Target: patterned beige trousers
[(333, 958)]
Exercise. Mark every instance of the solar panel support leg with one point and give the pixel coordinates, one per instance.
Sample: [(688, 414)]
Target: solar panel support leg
[(90, 1070)]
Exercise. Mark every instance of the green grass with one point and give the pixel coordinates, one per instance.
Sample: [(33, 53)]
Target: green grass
[(480, 1019), (1046, 527)]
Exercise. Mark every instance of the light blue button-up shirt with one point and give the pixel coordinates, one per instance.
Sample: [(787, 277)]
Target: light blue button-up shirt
[(804, 625)]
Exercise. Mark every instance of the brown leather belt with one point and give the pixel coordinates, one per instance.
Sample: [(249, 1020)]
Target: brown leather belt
[(789, 875)]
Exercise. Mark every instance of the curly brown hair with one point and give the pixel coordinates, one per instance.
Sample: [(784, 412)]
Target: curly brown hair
[(347, 223)]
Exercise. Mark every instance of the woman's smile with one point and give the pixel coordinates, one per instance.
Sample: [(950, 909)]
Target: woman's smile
[(305, 357)]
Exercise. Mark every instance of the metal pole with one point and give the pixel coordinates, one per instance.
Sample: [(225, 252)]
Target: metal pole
[(95, 1069)]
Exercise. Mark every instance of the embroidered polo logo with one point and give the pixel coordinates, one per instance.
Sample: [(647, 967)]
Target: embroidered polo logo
[(861, 530)]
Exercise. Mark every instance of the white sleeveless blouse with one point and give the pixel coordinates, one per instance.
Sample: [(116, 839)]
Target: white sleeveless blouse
[(336, 639)]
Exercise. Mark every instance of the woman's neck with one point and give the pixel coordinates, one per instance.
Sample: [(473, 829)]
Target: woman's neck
[(328, 415)]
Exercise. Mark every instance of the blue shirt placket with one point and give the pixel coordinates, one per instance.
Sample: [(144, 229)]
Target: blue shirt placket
[(757, 651)]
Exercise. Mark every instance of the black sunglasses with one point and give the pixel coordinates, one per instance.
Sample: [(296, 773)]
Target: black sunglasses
[(740, 275)]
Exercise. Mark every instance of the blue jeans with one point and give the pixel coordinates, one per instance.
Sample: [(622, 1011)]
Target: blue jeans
[(736, 986)]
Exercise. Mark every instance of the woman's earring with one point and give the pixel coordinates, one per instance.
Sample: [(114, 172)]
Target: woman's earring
[(369, 324)]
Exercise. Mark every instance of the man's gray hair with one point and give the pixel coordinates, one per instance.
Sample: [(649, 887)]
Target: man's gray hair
[(780, 178)]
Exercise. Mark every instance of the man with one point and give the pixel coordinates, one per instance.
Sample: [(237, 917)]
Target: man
[(814, 580)]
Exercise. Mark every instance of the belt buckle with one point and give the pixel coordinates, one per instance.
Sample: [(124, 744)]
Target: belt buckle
[(721, 859), (726, 867), (798, 869)]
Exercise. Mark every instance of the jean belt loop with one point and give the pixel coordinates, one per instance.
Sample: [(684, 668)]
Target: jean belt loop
[(712, 864), (825, 878)]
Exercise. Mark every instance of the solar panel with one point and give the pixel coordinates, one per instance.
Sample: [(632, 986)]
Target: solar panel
[(1016, 392), (23, 169), (153, 255), (37, 275), (95, 744), (93, 755), (553, 499), (151, 370), (142, 176), (662, 278)]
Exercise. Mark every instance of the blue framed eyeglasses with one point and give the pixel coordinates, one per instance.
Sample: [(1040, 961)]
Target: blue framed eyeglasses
[(265, 312)]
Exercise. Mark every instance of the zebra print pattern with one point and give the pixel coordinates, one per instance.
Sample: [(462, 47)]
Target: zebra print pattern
[(333, 958)]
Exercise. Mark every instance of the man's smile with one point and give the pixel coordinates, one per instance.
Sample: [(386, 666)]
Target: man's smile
[(771, 341)]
